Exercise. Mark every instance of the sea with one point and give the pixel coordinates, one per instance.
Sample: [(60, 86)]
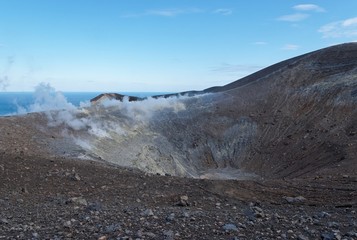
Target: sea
[(12, 102)]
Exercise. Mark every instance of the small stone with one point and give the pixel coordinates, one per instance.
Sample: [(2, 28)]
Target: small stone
[(241, 225), (324, 214), (298, 199), (24, 190), (4, 221), (351, 234), (147, 212), (35, 235), (184, 198), (333, 225), (112, 228), (67, 224), (75, 177), (103, 238), (230, 227), (327, 236), (139, 234), (95, 206), (185, 215), (150, 234), (183, 202), (168, 234), (79, 201), (258, 212), (171, 217), (338, 236), (257, 209), (302, 237)]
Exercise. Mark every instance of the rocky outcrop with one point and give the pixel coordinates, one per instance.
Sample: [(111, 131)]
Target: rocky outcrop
[(113, 96)]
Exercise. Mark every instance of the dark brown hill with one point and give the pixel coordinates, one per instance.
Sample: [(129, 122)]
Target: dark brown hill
[(328, 60), (306, 113), (295, 118)]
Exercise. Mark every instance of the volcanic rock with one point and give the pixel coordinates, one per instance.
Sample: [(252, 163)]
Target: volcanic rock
[(113, 96)]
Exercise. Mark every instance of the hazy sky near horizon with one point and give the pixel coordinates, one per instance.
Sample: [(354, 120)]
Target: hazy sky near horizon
[(159, 45)]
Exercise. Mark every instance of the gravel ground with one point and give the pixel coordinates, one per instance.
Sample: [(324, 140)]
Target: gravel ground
[(56, 198)]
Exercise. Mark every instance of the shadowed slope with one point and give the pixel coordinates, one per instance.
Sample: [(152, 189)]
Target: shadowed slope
[(305, 111), (293, 118)]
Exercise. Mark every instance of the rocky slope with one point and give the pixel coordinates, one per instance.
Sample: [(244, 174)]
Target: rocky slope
[(292, 119), (305, 112)]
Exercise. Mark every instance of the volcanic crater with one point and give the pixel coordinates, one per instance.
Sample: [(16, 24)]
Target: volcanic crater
[(234, 161)]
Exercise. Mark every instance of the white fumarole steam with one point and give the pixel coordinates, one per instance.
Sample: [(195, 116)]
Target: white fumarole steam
[(90, 118)]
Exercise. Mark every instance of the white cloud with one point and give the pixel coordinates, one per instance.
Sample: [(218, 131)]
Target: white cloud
[(164, 12), (345, 28), (260, 43), (350, 22), (308, 7), (290, 47), (224, 11), (296, 17)]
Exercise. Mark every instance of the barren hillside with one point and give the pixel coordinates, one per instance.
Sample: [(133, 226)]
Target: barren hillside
[(283, 142)]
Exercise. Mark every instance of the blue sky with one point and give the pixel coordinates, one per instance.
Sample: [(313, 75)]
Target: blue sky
[(159, 45)]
